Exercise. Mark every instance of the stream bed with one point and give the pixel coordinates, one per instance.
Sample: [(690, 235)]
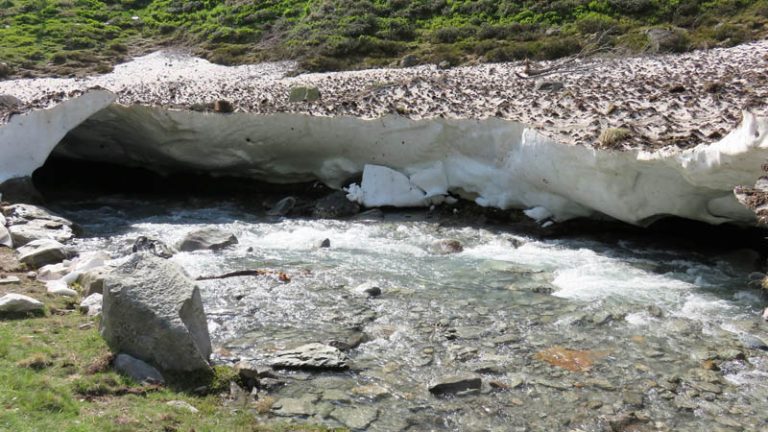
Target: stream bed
[(575, 335)]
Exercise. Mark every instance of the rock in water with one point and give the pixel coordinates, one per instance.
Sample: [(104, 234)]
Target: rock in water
[(154, 312), (137, 370), (283, 207), (455, 384), (445, 247), (42, 252), (311, 356), (209, 238), (355, 418), (153, 246), (16, 303), (335, 205)]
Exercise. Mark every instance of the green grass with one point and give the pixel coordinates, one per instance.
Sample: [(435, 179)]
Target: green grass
[(55, 375), (74, 36)]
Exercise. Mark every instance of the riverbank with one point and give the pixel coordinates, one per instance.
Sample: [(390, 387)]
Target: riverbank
[(55, 374)]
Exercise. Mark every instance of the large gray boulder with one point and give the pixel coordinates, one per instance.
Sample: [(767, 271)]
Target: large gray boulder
[(5, 237), (310, 356), (154, 312), (208, 238), (42, 252)]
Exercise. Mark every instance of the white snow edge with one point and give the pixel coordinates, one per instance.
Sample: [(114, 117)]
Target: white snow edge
[(405, 162)]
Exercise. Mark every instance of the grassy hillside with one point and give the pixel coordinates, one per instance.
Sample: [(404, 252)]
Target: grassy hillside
[(69, 36)]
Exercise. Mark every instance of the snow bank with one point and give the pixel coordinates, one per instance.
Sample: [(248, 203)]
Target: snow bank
[(494, 162), (27, 139)]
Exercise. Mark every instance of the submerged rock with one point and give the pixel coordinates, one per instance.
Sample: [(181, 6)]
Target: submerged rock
[(42, 252), (153, 311), (138, 370), (208, 238), (445, 247), (153, 246), (311, 356), (355, 418), (17, 303), (455, 384)]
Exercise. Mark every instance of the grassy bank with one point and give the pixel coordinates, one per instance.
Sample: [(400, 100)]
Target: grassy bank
[(55, 375), (75, 36)]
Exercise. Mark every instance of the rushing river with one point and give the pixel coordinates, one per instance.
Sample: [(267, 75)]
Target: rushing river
[(565, 334)]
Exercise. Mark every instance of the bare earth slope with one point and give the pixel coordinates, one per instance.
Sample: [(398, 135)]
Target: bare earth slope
[(655, 101)]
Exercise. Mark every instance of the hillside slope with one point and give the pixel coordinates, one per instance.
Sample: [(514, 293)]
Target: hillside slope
[(65, 37)]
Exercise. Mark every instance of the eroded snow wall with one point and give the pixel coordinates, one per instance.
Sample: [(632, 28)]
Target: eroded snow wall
[(494, 162), (27, 139)]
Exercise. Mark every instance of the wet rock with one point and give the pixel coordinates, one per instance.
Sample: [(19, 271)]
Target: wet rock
[(335, 395), (153, 311), (549, 86), (209, 238), (488, 368), (42, 252), (304, 94), (137, 370), (355, 418), (455, 384), (371, 391), (505, 339), (559, 385), (311, 356), (282, 207), (9, 280), (294, 407), (324, 244), (368, 289), (353, 341), (752, 342), (17, 303), (223, 107), (634, 399), (370, 215), (335, 205), (153, 246), (91, 305), (445, 247), (626, 422)]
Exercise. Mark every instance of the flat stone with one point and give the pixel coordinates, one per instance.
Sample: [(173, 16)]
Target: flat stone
[(359, 417), (16, 303), (455, 384), (335, 396), (292, 407), (9, 280), (311, 356), (40, 229), (371, 391)]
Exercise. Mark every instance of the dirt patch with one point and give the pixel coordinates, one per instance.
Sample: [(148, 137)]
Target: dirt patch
[(10, 266)]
